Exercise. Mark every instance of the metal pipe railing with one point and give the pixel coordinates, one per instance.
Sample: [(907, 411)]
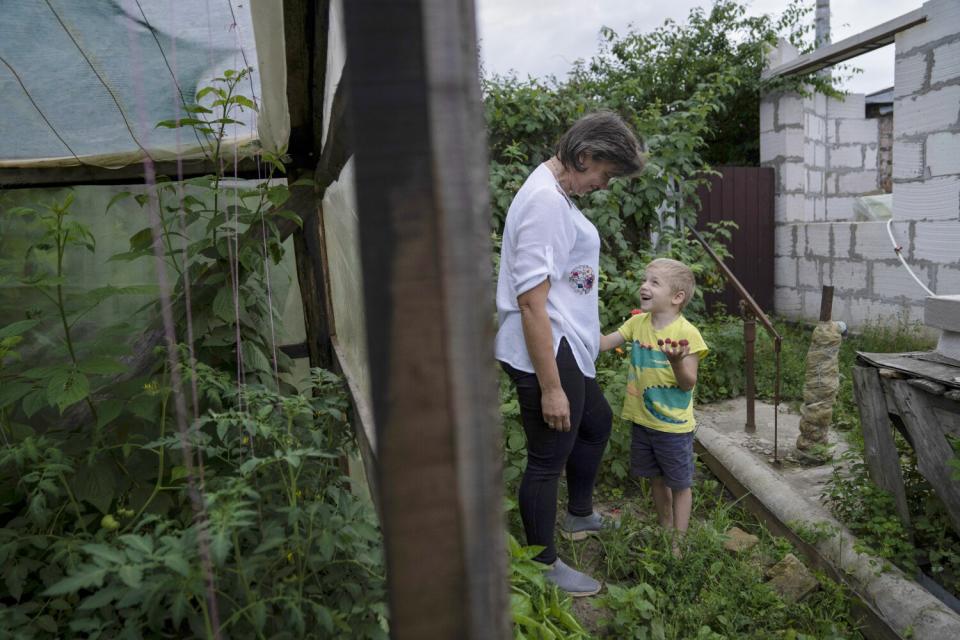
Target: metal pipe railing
[(751, 313)]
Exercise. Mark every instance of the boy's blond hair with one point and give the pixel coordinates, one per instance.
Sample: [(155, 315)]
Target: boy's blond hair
[(678, 275)]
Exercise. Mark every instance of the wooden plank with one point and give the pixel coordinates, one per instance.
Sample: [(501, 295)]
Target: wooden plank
[(305, 68), (422, 197), (916, 365), (934, 452), (46, 177), (880, 451), (879, 36)]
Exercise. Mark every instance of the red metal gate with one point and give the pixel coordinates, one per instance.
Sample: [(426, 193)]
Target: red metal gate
[(745, 196)]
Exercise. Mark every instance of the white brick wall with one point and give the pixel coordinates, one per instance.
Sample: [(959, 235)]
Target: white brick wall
[(872, 242), (946, 63), (893, 280), (858, 131), (789, 208), (808, 272), (870, 157), (851, 106), (926, 113), (850, 156), (842, 234), (787, 302), (860, 311), (943, 16), (792, 176), (907, 160), (909, 73), (943, 153), (848, 276), (785, 240), (816, 127), (934, 199), (858, 182), (818, 240), (789, 111), (831, 137), (811, 304), (948, 281), (820, 155), (814, 181), (937, 242), (785, 143), (840, 208), (767, 108), (785, 272)]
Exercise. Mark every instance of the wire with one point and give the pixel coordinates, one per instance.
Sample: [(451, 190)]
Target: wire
[(898, 249), (102, 80), (40, 111)]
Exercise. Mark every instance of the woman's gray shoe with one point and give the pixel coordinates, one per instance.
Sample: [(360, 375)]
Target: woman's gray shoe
[(575, 583), (579, 527)]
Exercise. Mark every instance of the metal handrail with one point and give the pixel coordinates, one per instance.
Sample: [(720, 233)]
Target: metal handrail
[(751, 312)]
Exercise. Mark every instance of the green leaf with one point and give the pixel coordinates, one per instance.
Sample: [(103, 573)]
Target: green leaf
[(102, 597), (10, 392), (85, 576), (34, 402), (109, 554), (244, 101), (132, 576), (223, 306), (141, 240), (66, 388), (96, 484), (175, 562), (108, 411), (102, 365), (123, 195), (139, 543), (18, 328), (254, 359), (46, 623)]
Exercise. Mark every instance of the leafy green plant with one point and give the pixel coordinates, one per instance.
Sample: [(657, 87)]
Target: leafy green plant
[(538, 608)]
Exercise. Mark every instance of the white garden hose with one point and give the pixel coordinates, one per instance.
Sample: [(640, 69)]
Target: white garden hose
[(898, 249)]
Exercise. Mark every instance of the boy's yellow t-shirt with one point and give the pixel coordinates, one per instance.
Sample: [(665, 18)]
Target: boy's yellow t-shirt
[(653, 398)]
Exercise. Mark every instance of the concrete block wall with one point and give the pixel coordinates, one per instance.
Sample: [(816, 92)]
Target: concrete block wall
[(825, 154)]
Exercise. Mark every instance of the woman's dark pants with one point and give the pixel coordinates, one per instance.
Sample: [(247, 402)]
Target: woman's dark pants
[(550, 451)]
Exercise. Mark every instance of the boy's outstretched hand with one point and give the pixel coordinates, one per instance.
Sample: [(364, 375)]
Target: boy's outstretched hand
[(674, 350)]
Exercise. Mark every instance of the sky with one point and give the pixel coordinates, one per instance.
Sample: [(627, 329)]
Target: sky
[(543, 38)]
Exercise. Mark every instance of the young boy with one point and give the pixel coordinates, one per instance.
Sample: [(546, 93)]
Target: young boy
[(666, 351)]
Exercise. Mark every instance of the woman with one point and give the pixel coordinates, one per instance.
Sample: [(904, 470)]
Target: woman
[(548, 340)]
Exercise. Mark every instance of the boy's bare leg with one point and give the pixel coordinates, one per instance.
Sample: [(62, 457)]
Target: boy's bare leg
[(662, 501), (682, 504)]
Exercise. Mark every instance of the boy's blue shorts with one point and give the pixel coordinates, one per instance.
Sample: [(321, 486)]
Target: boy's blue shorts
[(658, 453)]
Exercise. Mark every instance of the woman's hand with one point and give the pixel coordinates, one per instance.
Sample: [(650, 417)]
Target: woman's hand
[(556, 409)]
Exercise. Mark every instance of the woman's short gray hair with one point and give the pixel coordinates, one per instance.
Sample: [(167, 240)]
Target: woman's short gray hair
[(604, 136)]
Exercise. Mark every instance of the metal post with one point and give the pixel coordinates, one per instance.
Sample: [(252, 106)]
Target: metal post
[(749, 343)]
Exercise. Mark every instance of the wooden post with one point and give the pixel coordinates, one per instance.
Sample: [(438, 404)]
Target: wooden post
[(826, 303), (927, 429), (422, 196), (880, 451)]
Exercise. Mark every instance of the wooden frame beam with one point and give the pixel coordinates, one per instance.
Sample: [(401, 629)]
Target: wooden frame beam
[(44, 177), (422, 196), (856, 45)]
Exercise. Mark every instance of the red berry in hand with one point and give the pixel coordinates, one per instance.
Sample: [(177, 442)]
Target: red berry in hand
[(684, 343), (660, 342)]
